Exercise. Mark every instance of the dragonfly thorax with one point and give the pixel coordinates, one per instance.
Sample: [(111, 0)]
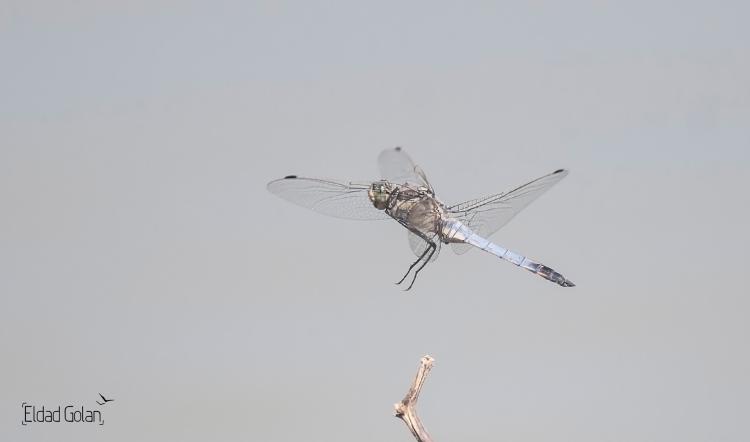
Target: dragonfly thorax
[(379, 193)]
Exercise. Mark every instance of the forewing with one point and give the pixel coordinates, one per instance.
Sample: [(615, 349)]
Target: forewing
[(333, 198), (418, 245), (397, 167), (487, 215)]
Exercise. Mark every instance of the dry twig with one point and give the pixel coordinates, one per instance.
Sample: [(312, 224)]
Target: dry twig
[(406, 410)]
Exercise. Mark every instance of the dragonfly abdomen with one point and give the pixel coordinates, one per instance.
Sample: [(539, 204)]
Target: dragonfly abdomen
[(453, 230), (517, 259)]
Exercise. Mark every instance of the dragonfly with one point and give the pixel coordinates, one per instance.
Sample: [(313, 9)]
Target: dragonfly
[(405, 195)]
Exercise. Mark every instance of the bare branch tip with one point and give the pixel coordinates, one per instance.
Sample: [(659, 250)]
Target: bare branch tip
[(406, 409)]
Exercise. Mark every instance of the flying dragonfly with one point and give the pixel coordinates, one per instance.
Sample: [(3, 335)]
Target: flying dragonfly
[(405, 195)]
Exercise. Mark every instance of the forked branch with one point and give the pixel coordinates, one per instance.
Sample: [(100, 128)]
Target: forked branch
[(406, 410)]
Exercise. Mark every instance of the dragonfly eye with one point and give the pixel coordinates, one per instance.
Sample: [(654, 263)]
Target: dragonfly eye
[(378, 194)]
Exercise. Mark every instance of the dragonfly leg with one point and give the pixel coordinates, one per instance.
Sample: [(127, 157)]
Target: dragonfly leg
[(413, 265), (432, 247)]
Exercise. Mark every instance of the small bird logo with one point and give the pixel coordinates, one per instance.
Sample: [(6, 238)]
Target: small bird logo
[(103, 399)]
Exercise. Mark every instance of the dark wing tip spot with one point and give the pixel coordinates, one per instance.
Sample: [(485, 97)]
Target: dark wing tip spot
[(290, 177), (559, 170), (398, 148)]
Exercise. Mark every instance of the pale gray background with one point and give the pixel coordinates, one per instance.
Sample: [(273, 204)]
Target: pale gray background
[(142, 257)]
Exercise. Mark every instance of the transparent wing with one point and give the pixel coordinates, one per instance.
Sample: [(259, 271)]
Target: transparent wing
[(333, 198), (418, 245), (397, 167), (487, 215)]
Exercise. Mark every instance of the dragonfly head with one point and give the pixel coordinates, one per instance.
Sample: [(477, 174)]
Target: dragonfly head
[(379, 193)]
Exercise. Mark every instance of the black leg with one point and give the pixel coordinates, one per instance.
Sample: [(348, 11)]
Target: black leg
[(432, 247), (412, 266)]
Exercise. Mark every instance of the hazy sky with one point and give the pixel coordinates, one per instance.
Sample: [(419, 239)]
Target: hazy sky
[(142, 257)]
